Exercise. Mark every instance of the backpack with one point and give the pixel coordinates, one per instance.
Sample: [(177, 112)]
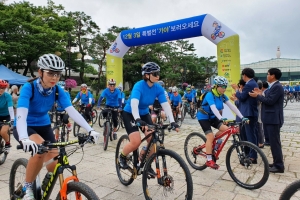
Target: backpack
[(32, 88), (202, 96)]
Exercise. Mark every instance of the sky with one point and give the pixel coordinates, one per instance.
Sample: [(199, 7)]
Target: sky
[(262, 25)]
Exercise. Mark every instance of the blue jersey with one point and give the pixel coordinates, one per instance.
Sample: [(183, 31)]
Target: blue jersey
[(112, 98), (176, 100), (84, 97), (59, 107), (146, 96), (5, 102), (39, 106), (211, 99), (170, 94), (189, 96)]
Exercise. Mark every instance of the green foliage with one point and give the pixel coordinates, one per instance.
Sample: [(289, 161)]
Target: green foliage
[(127, 93), (181, 92)]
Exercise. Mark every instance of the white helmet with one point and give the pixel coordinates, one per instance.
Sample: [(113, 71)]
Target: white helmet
[(51, 62), (111, 81), (83, 85), (220, 80), (174, 89)]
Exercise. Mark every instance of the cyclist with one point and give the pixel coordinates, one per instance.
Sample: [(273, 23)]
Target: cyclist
[(64, 117), (32, 125), (122, 96), (6, 112), (176, 101), (113, 100), (156, 106), (194, 91), (136, 110), (189, 96), (209, 114), (170, 92), (86, 100)]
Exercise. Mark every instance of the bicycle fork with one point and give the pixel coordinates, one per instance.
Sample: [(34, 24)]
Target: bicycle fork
[(64, 183)]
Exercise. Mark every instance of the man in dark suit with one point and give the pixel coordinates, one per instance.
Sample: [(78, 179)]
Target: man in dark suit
[(248, 107), (272, 116)]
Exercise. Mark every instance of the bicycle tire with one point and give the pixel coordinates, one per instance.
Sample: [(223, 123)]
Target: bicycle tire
[(76, 129), (82, 188), (118, 127), (12, 176), (193, 113), (189, 151), (100, 119), (284, 103), (290, 190), (121, 121), (167, 185), (246, 160), (63, 134), (3, 153), (119, 170), (106, 134), (94, 115), (292, 100)]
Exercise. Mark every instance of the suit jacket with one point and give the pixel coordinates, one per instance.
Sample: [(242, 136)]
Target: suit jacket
[(272, 105), (248, 105)]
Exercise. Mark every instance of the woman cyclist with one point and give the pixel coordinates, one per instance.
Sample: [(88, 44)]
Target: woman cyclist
[(210, 114), (136, 110), (32, 125), (6, 112), (86, 99), (176, 102), (189, 96)]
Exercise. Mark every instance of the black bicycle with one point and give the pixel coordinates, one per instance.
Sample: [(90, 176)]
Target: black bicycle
[(108, 126), (172, 179), (3, 152), (292, 191), (81, 110), (60, 128), (70, 187)]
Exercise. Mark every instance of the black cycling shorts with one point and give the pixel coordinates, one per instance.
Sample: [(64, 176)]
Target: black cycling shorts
[(129, 121), (207, 124), (44, 131), (6, 118)]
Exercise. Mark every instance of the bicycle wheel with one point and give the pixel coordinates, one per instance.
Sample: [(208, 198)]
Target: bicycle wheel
[(292, 99), (64, 134), (245, 172), (106, 134), (79, 190), (284, 102), (195, 157), (94, 115), (17, 177), (3, 152), (76, 129), (193, 113), (100, 119), (121, 121), (125, 175), (292, 191), (174, 180)]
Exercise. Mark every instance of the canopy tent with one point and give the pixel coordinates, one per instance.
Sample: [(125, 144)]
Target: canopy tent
[(12, 77)]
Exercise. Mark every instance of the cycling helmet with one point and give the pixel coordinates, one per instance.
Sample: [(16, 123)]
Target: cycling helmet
[(192, 87), (184, 84), (111, 81), (189, 86), (83, 85), (161, 83), (3, 83), (51, 62), (220, 80), (174, 89), (170, 88), (150, 67), (188, 89)]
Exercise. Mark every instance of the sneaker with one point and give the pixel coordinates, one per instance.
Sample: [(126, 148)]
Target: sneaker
[(179, 116), (28, 194), (115, 136), (90, 123), (123, 162), (212, 164), (151, 173), (7, 147)]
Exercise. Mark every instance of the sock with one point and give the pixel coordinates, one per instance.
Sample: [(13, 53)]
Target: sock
[(208, 156), (122, 155), (27, 185)]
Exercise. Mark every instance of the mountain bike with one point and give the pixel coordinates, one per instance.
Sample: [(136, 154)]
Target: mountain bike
[(3, 152), (70, 187), (108, 126), (172, 179), (188, 109), (120, 121), (247, 172), (94, 115), (63, 132), (81, 110), (292, 191)]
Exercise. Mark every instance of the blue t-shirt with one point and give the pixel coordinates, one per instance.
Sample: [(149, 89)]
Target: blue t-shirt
[(211, 99), (112, 98), (59, 107), (189, 96), (39, 106), (176, 100), (84, 97), (146, 96), (170, 94), (5, 102)]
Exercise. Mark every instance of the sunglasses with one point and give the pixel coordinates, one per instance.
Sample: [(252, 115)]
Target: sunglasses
[(223, 86), (52, 74), (2, 88), (174, 92), (112, 85), (155, 74)]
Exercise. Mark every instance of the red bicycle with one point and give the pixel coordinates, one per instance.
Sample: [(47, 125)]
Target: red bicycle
[(247, 172)]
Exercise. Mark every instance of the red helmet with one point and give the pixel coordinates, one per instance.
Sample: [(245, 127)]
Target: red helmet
[(3, 83)]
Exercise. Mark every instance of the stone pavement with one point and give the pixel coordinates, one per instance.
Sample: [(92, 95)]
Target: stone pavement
[(97, 167)]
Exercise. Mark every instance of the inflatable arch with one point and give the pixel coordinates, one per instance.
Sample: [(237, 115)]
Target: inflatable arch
[(227, 41)]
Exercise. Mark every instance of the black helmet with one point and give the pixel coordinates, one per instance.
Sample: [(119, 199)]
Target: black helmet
[(150, 67)]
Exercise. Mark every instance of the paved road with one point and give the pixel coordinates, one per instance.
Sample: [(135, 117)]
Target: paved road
[(97, 169)]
